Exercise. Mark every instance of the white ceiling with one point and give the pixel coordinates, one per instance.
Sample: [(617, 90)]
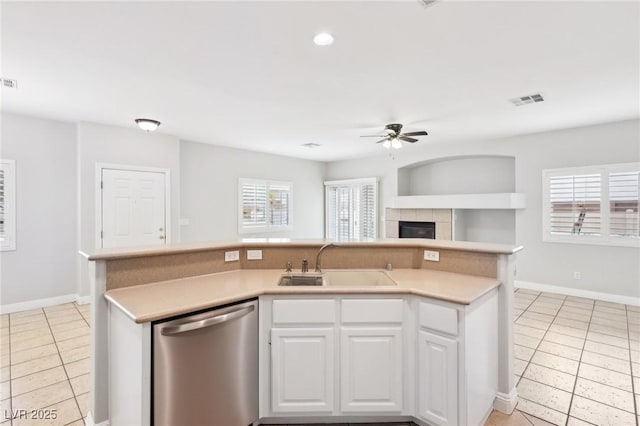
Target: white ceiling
[(247, 75)]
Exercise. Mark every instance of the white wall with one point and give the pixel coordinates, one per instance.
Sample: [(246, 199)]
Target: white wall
[(44, 264), (614, 270), (209, 190), (125, 146)]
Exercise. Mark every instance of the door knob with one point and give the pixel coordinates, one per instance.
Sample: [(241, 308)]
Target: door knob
[(161, 237), (161, 229)]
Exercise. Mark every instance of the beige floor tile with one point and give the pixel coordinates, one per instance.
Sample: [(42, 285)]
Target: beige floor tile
[(608, 350), (83, 403), (555, 299), (33, 353), (636, 386), (519, 366), (553, 295), (37, 380), (5, 390), (577, 422), (5, 374), (606, 377), (615, 308), (27, 319), (527, 291), (69, 334), (31, 343), (31, 312), (619, 365), (580, 325), (74, 342), (61, 313), (547, 396), (605, 394), (578, 302), (573, 315), (517, 313), (560, 350), (43, 397), (535, 421), (34, 325), (521, 304), (545, 413), (600, 414), (80, 384), (500, 419), (522, 352), (542, 309), (69, 326), (528, 331), (635, 369), (633, 308), (34, 366), (77, 368), (65, 318), (622, 325), (62, 307), (5, 360), (551, 377), (66, 412), (634, 345), (584, 311), (562, 339), (537, 316), (524, 340), (622, 317), (30, 335), (75, 354), (607, 339), (565, 365), (5, 412), (568, 331), (530, 322), (635, 356)]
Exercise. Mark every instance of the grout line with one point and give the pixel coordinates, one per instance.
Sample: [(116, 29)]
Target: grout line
[(633, 390)]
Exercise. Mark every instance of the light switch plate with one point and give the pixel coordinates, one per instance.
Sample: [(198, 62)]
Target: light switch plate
[(433, 256), (254, 254), (232, 256)]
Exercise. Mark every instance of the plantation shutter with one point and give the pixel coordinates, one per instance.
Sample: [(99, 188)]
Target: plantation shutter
[(624, 217), (351, 209), (279, 204), (575, 204), (254, 204)]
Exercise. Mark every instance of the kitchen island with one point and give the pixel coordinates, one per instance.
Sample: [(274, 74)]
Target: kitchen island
[(463, 299)]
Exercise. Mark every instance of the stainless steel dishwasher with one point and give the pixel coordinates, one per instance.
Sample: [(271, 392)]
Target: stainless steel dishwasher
[(205, 368)]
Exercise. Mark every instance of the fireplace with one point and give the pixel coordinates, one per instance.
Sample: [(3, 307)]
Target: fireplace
[(417, 230)]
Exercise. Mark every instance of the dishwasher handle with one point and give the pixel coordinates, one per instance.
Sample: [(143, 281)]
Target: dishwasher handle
[(207, 322)]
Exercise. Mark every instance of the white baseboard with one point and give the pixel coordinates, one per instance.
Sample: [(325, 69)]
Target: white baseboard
[(90, 422), (506, 403), (83, 300), (607, 297), (38, 303)]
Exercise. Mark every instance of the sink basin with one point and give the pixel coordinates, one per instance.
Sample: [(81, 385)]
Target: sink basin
[(357, 278), (338, 279)]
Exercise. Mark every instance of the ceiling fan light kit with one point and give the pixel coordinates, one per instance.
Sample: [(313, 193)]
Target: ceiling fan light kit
[(147, 124)]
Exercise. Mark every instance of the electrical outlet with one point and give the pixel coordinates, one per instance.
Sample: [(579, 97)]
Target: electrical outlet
[(433, 256), (577, 275), (231, 256), (254, 254)]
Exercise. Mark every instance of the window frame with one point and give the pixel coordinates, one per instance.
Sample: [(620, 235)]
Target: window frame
[(8, 243), (604, 238), (357, 182), (243, 229)]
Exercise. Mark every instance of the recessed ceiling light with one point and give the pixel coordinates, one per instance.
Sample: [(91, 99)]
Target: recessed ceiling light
[(147, 124), (323, 39)]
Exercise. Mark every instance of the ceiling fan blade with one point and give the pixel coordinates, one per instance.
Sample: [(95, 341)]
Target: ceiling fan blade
[(406, 139), (383, 140), (374, 136), (420, 133)]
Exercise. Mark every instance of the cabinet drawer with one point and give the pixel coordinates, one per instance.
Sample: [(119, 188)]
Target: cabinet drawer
[(440, 318), (371, 310), (304, 311)]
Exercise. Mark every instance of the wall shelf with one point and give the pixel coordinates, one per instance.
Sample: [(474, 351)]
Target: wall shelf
[(509, 200)]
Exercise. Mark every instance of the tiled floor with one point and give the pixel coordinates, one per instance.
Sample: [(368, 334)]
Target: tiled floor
[(44, 364), (577, 363)]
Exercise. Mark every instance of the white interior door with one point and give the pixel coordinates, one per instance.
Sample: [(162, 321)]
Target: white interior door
[(133, 208)]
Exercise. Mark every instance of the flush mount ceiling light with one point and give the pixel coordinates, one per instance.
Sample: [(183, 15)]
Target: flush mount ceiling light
[(323, 39), (147, 124)]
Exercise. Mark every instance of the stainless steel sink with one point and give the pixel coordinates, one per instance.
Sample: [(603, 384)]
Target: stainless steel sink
[(346, 278)]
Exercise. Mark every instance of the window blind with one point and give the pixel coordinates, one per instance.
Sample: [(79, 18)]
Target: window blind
[(264, 205), (575, 204), (351, 209), (624, 219), (254, 204)]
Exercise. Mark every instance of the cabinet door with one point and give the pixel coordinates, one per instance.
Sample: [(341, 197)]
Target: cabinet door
[(302, 370), (437, 379), (371, 369)]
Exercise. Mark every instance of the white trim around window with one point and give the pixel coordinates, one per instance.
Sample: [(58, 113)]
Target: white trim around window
[(7, 205), (264, 206), (592, 205)]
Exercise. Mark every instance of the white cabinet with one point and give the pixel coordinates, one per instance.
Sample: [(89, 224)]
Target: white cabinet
[(437, 379), (371, 369), (302, 368)]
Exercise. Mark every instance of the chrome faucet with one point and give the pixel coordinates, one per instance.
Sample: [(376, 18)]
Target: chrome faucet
[(326, 246)]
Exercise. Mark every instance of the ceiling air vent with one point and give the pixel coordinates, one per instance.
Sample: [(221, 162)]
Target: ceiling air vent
[(529, 99), (310, 145), (9, 83), (426, 3)]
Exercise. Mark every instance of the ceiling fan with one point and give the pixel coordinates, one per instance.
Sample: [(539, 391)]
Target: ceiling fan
[(394, 136)]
